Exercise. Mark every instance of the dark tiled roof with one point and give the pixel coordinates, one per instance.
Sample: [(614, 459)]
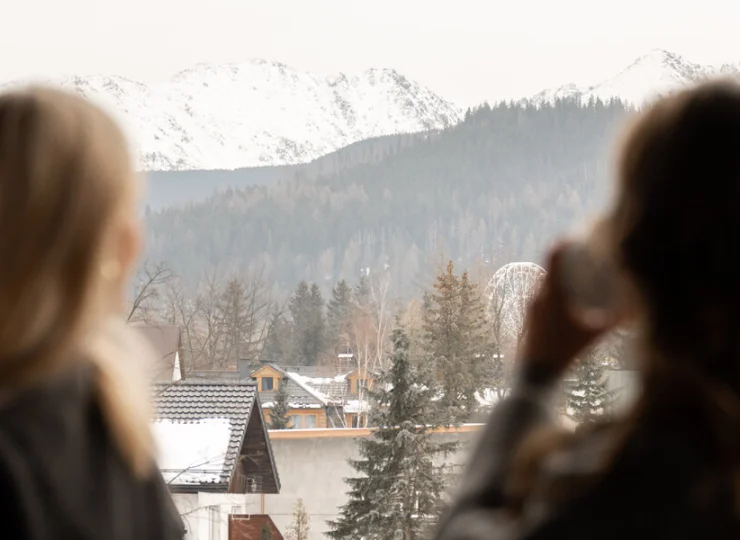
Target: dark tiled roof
[(336, 390), (187, 401)]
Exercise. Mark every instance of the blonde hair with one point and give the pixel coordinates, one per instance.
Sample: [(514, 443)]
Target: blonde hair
[(65, 178)]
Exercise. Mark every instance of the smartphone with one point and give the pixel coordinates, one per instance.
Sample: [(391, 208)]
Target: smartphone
[(591, 281)]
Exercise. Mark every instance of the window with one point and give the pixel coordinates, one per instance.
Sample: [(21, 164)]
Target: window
[(358, 421), (267, 383), (309, 422), (296, 421), (361, 385)]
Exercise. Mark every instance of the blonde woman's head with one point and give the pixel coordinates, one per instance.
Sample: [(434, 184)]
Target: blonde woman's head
[(68, 221), (69, 238)]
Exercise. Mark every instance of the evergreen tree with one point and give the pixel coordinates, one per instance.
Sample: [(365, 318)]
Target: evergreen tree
[(300, 527), (307, 311), (278, 342), (586, 395), (338, 313), (317, 343), (456, 342), (266, 532), (475, 338), (280, 407), (399, 487), (362, 292)]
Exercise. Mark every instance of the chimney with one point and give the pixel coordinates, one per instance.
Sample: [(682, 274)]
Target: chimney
[(245, 368)]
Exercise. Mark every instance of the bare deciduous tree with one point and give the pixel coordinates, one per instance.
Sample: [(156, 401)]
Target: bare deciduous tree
[(148, 284), (221, 322), (300, 527)]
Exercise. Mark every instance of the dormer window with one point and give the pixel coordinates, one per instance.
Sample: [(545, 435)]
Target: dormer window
[(267, 384)]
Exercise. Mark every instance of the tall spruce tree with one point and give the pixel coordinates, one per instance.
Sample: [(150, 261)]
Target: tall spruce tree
[(399, 489), (278, 341), (300, 314), (586, 394), (475, 339), (317, 342), (307, 311), (338, 313), (280, 407), (456, 342)]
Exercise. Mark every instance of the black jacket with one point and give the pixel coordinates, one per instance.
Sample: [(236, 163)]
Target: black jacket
[(61, 477), (663, 482)]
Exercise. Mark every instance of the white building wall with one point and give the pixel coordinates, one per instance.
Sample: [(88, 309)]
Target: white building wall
[(206, 515), (314, 469)]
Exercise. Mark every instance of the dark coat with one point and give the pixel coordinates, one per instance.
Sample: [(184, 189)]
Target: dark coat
[(663, 481), (61, 476)]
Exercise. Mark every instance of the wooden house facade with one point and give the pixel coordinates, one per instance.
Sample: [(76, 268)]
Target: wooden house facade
[(316, 398)]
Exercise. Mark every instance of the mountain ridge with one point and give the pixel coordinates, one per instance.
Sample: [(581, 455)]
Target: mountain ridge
[(260, 113), (656, 73)]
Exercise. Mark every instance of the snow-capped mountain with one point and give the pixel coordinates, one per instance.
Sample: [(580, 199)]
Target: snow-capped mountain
[(260, 113), (651, 75)]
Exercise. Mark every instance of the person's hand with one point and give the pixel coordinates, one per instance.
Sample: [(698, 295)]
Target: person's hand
[(554, 338)]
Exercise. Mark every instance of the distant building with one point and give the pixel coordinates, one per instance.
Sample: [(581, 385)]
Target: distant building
[(317, 397)]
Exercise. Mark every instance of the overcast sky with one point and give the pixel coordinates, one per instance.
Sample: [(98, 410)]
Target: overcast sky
[(466, 50)]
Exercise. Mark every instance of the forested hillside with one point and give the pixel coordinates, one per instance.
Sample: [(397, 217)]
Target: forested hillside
[(175, 188), (493, 189)]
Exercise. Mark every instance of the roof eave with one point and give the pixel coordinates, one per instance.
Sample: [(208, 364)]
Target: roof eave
[(199, 488)]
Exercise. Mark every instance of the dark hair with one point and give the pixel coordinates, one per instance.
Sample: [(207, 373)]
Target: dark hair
[(675, 230)]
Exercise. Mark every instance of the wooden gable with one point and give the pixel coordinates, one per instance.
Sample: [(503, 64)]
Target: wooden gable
[(272, 375), (256, 471), (359, 375)]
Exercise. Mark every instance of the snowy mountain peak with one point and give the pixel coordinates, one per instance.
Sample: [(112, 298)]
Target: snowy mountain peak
[(257, 113), (653, 74)]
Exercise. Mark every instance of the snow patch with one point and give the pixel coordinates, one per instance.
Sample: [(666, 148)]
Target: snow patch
[(355, 406), (192, 452), (487, 398), (271, 404), (305, 383)]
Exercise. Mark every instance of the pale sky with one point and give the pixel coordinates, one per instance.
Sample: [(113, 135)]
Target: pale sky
[(466, 50)]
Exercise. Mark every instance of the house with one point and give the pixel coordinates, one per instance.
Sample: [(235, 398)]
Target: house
[(213, 450), (166, 343), (317, 397)]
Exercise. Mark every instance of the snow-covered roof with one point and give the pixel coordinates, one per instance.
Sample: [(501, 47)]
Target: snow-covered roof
[(355, 406), (222, 415), (192, 452), (294, 405), (305, 384)]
